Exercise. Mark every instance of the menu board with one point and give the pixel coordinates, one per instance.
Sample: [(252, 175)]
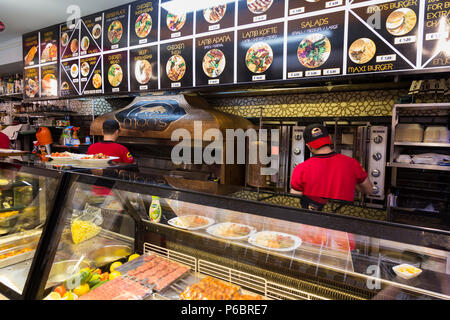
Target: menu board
[(91, 34), (214, 59), (315, 45), (149, 45), (251, 11), (49, 81), (49, 45), (69, 40), (215, 18), (70, 78), (31, 83), (144, 68), (436, 34), (144, 21), (369, 51), (176, 64), (306, 6), (115, 33), (115, 77), (91, 79), (30, 44), (175, 24), (260, 53)]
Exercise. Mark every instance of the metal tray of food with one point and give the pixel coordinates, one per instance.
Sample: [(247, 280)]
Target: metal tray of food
[(6, 262)]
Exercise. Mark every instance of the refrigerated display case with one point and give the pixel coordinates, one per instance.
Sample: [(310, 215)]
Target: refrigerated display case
[(218, 247)]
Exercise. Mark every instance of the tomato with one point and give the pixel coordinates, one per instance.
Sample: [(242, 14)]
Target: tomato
[(61, 290), (98, 271), (104, 276)]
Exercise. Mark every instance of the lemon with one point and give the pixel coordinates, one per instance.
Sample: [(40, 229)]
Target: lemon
[(133, 256), (53, 296), (114, 274), (81, 290), (114, 266), (69, 296)]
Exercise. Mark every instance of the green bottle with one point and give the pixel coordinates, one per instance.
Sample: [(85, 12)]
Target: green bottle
[(155, 210)]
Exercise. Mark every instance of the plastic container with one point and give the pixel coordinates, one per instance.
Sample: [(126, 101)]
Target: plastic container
[(436, 134), (406, 132), (155, 210)]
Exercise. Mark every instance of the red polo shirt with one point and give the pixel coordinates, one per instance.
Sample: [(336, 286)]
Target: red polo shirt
[(331, 176), (112, 149), (4, 141)]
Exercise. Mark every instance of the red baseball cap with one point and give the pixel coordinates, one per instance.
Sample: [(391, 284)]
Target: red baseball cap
[(316, 136)]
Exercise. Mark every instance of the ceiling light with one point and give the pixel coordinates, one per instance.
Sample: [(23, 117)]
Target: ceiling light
[(183, 6)]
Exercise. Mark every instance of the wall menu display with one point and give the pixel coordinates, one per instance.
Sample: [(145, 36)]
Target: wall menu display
[(144, 68), (91, 80), (91, 34), (215, 59), (115, 33), (397, 26), (175, 24), (70, 78), (260, 53), (49, 81), (30, 45), (115, 77), (251, 11), (176, 69), (436, 34), (69, 40), (49, 45), (368, 52), (215, 18), (144, 22), (305, 6), (140, 46), (315, 46), (31, 82)]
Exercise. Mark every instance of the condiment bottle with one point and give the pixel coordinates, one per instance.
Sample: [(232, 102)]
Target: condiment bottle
[(155, 210)]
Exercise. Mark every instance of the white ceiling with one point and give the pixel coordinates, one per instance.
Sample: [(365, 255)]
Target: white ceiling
[(23, 16)]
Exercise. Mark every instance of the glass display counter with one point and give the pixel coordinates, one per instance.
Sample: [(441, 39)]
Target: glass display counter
[(101, 244)]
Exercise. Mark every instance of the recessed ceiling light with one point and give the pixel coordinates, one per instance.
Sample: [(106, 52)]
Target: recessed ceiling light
[(2, 26)]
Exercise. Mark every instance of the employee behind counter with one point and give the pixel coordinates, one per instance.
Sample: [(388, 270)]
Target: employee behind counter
[(327, 174)]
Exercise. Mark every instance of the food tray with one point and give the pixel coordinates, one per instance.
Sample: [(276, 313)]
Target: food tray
[(173, 223), (297, 241), (17, 258), (212, 231)]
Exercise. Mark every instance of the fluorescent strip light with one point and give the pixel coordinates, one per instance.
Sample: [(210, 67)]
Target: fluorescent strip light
[(185, 6)]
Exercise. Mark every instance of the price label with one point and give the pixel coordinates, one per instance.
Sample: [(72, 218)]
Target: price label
[(297, 11), (98, 19), (214, 81), (328, 72), (83, 79), (313, 73), (295, 74), (75, 80), (259, 78), (115, 89), (176, 84), (143, 88), (175, 35), (214, 27), (116, 46), (260, 18), (334, 3), (83, 53), (410, 39), (75, 55), (142, 41), (436, 36), (387, 57), (98, 91)]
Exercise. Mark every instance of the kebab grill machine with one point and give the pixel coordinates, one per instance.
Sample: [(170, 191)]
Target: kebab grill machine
[(147, 128)]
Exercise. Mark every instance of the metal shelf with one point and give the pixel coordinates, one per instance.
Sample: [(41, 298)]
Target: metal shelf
[(423, 144), (419, 166)]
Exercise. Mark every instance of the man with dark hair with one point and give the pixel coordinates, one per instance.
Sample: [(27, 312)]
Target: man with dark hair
[(328, 174), (109, 147)]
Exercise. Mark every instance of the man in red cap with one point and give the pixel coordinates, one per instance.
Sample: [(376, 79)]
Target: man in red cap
[(327, 174)]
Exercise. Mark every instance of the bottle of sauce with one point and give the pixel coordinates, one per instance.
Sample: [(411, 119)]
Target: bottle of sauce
[(155, 210)]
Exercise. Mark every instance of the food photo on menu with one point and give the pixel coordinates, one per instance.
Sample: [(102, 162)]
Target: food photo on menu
[(144, 20), (143, 68), (116, 72), (215, 17), (254, 11), (115, 34), (176, 20), (176, 64)]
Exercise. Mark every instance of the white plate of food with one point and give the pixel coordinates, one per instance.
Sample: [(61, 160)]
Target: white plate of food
[(191, 222), (96, 159), (231, 231), (277, 241), (63, 157), (406, 271)]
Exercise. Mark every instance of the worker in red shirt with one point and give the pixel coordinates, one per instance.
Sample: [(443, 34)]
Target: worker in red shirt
[(109, 147), (327, 174), (5, 143)]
